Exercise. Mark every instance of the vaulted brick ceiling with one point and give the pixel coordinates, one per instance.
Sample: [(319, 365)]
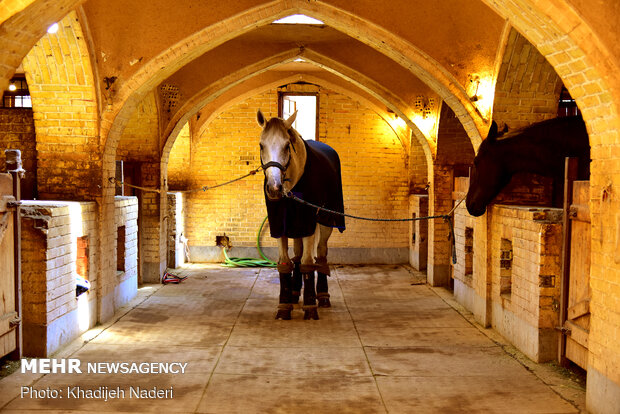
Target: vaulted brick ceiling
[(387, 52), (204, 50)]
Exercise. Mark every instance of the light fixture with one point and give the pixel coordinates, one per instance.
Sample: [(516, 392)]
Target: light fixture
[(12, 87), (474, 80), (53, 28)]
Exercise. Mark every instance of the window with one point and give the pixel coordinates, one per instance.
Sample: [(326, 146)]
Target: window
[(17, 95), (469, 251), (298, 19), (120, 248), (82, 257), (567, 105), (505, 268), (307, 106)]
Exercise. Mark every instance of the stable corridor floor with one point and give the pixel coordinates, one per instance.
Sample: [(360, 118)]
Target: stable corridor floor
[(389, 344)]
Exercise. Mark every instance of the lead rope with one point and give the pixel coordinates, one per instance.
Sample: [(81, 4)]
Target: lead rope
[(340, 213), (119, 183), (446, 217)]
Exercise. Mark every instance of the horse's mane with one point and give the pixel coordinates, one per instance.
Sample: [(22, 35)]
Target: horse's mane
[(527, 131)]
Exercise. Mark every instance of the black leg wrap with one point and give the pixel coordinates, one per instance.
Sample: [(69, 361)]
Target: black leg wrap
[(311, 313), (285, 288), (297, 281), (284, 311), (309, 307), (322, 291)]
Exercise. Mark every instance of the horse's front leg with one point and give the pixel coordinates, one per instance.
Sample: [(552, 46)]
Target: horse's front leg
[(307, 271), (322, 268), (285, 268), (297, 279)]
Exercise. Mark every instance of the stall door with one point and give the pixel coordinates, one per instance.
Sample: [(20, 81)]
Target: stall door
[(577, 323), (8, 315)]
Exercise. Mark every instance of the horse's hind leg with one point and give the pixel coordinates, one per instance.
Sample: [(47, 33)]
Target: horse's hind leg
[(297, 280), (285, 267), (307, 272), (322, 291)]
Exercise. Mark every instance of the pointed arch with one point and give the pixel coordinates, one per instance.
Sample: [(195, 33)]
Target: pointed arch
[(64, 103)]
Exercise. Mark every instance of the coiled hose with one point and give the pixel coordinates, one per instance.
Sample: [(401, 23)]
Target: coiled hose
[(248, 261)]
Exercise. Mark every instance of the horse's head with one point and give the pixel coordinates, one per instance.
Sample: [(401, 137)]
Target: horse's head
[(488, 175), (278, 154)]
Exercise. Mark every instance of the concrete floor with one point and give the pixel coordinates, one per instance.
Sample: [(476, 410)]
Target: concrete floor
[(388, 344)]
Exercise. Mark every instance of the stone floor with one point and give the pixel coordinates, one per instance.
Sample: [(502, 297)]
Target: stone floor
[(388, 344)]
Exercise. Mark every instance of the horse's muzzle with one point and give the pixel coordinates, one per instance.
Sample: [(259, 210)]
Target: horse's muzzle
[(475, 210), (274, 192)]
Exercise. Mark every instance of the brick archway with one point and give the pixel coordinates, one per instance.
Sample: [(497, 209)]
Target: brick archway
[(589, 72), (64, 102), (30, 20), (194, 104)]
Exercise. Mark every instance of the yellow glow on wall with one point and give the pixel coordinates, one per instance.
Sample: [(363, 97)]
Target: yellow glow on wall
[(398, 123), (481, 92), (427, 125)]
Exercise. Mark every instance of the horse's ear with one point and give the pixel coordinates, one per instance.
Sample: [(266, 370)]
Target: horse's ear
[(492, 132), (260, 118), (290, 120)]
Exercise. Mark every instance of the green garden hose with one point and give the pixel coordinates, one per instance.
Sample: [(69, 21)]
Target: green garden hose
[(248, 261)]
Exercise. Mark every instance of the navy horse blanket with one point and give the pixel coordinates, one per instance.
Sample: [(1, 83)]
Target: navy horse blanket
[(320, 184)]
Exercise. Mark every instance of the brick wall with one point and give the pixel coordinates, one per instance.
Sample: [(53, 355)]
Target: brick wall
[(126, 217), (374, 171), (528, 314), (17, 132), (140, 138), (418, 231), (528, 88), (60, 240), (152, 225), (51, 232), (472, 270), (454, 155)]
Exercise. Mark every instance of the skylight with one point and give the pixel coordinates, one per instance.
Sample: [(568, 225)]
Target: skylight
[(298, 19)]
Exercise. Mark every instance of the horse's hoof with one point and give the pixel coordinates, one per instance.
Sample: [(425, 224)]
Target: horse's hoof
[(324, 302), (311, 313), (284, 314)]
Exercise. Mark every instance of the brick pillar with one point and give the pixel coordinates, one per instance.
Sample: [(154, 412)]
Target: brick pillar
[(439, 246), (153, 226)]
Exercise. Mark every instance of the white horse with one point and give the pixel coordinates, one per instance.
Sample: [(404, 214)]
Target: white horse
[(311, 170)]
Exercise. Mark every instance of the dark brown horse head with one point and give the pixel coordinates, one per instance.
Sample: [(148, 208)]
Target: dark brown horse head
[(488, 175), (539, 148)]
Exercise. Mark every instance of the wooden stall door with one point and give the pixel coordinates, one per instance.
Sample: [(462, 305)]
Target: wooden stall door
[(577, 323), (8, 314)]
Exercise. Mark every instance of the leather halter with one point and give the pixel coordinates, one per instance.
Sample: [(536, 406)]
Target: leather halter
[(276, 164)]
